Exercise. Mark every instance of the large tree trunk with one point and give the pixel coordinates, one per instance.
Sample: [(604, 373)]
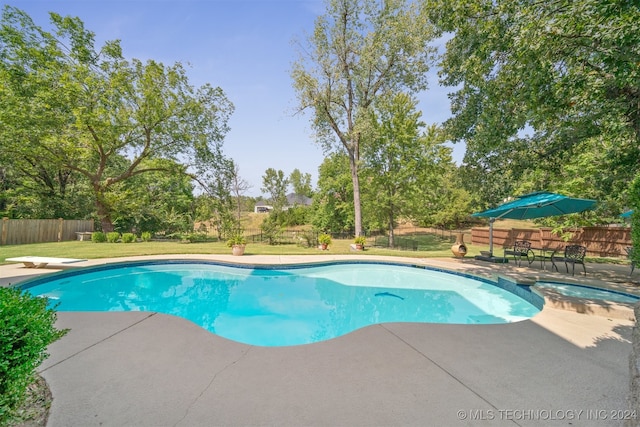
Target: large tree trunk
[(356, 195), (104, 215)]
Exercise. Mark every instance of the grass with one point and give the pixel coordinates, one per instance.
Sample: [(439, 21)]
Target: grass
[(429, 247)]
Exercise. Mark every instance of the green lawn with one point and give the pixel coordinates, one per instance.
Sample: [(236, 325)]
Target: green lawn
[(428, 247)]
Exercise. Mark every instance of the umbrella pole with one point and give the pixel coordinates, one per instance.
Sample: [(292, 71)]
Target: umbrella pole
[(491, 221)]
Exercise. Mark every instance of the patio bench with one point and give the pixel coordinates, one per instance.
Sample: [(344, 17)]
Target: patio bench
[(573, 254)]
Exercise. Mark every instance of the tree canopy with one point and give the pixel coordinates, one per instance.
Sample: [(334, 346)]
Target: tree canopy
[(359, 50), (545, 92), (68, 108)]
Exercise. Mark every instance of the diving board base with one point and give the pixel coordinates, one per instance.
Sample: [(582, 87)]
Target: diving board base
[(42, 262)]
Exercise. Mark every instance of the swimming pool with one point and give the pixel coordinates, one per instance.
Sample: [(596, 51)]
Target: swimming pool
[(288, 305), (588, 292)]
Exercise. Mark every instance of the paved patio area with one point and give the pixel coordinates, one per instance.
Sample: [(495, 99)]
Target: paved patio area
[(561, 367)]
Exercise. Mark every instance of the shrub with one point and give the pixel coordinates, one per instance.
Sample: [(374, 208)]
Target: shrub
[(113, 237), (145, 236), (193, 237), (128, 237), (98, 237), (26, 329)]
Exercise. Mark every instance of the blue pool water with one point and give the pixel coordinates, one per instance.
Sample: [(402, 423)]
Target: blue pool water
[(589, 292), (286, 306)]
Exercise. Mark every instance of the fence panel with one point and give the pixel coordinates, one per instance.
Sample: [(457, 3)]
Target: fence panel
[(24, 231), (600, 241)]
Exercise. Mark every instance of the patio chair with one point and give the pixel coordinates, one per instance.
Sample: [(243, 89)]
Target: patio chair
[(573, 254), (521, 249), (629, 250)]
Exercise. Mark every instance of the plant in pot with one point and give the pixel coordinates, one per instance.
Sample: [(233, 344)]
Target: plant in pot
[(237, 243), (324, 240), (360, 242)]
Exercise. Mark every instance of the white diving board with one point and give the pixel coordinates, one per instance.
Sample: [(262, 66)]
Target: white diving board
[(41, 262)]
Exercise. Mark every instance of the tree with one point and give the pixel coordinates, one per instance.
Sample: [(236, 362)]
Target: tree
[(393, 161), (301, 183), (64, 103), (238, 187), (360, 50), (275, 184), (544, 83), (333, 201)]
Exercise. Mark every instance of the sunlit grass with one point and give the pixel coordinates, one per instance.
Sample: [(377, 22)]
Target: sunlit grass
[(428, 247)]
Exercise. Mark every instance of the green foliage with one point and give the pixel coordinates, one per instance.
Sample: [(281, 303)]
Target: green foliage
[(546, 97), (98, 237), (634, 203), (360, 240), (308, 239), (128, 238), (113, 237), (332, 207), (59, 91), (360, 50), (275, 184), (194, 237), (301, 183), (271, 230), (324, 239), (145, 236), (237, 238), (26, 329)]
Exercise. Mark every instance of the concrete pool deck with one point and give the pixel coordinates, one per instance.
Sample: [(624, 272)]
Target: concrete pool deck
[(561, 367)]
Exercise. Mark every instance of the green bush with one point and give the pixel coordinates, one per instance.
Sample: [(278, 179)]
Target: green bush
[(128, 238), (113, 237), (26, 329), (98, 237), (193, 237), (145, 236)]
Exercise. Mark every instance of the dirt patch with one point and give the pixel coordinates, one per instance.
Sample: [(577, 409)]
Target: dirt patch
[(35, 410)]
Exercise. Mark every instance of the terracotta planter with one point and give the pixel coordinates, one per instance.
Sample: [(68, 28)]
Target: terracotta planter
[(237, 250), (323, 246), (359, 247), (459, 249)]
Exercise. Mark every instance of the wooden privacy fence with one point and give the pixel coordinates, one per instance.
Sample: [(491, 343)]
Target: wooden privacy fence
[(600, 241), (22, 231)]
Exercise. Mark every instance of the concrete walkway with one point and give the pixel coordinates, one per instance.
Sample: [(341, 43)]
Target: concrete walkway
[(147, 369)]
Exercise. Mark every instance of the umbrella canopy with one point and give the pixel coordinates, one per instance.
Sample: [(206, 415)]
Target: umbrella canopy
[(534, 205), (538, 205), (627, 214)]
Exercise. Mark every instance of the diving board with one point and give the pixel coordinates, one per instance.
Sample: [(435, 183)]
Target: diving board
[(41, 262)]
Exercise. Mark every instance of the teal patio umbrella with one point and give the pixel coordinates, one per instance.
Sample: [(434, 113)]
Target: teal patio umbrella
[(534, 205), (627, 214)]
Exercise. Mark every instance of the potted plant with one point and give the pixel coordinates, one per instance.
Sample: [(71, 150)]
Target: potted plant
[(325, 240), (360, 241), (237, 243)]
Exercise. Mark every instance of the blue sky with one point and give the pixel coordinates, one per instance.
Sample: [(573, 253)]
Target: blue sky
[(243, 46)]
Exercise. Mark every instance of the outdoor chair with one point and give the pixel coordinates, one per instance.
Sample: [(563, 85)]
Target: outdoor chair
[(573, 254), (521, 249), (629, 250)]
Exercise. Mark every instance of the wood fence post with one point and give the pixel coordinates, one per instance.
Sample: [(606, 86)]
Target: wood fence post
[(5, 226), (60, 223)]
